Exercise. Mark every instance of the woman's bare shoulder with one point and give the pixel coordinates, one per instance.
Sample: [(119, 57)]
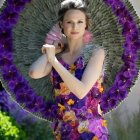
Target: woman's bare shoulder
[(98, 51)]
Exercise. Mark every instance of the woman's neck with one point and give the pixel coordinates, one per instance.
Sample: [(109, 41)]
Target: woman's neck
[(75, 46)]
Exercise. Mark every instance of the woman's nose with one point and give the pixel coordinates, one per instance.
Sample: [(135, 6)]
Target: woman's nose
[(74, 25)]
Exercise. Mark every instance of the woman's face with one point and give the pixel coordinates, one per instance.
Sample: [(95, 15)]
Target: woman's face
[(74, 24)]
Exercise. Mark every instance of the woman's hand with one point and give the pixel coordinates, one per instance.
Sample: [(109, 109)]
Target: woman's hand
[(50, 51), (58, 48)]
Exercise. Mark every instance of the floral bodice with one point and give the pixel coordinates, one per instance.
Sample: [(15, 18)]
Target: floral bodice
[(67, 102)]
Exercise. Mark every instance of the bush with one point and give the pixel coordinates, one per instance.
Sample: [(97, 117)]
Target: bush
[(9, 130)]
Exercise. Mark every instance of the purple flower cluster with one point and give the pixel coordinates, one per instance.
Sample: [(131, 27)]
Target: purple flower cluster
[(19, 86), (9, 106), (124, 78), (83, 114), (3, 102), (97, 129), (16, 83)]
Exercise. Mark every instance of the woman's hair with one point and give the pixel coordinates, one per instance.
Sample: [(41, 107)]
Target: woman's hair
[(75, 5)]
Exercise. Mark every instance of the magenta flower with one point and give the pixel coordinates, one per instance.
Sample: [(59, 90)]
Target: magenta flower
[(87, 37), (92, 104), (74, 134), (95, 126)]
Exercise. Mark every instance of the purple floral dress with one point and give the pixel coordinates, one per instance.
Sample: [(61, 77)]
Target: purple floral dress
[(77, 119)]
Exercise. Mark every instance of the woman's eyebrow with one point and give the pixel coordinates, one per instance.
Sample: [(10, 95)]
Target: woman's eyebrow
[(72, 19)]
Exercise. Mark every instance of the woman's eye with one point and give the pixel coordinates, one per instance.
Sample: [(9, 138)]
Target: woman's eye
[(69, 22), (80, 22)]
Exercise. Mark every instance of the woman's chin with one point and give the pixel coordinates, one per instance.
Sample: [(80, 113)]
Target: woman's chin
[(75, 37)]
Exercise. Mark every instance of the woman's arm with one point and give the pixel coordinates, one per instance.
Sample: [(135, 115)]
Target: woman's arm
[(40, 68), (89, 78)]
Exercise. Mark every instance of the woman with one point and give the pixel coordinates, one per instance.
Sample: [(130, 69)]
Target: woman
[(77, 86)]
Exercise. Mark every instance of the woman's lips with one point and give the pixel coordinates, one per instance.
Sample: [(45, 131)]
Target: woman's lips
[(74, 32)]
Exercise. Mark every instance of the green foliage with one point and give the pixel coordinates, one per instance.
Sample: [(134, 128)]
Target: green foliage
[(9, 130)]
